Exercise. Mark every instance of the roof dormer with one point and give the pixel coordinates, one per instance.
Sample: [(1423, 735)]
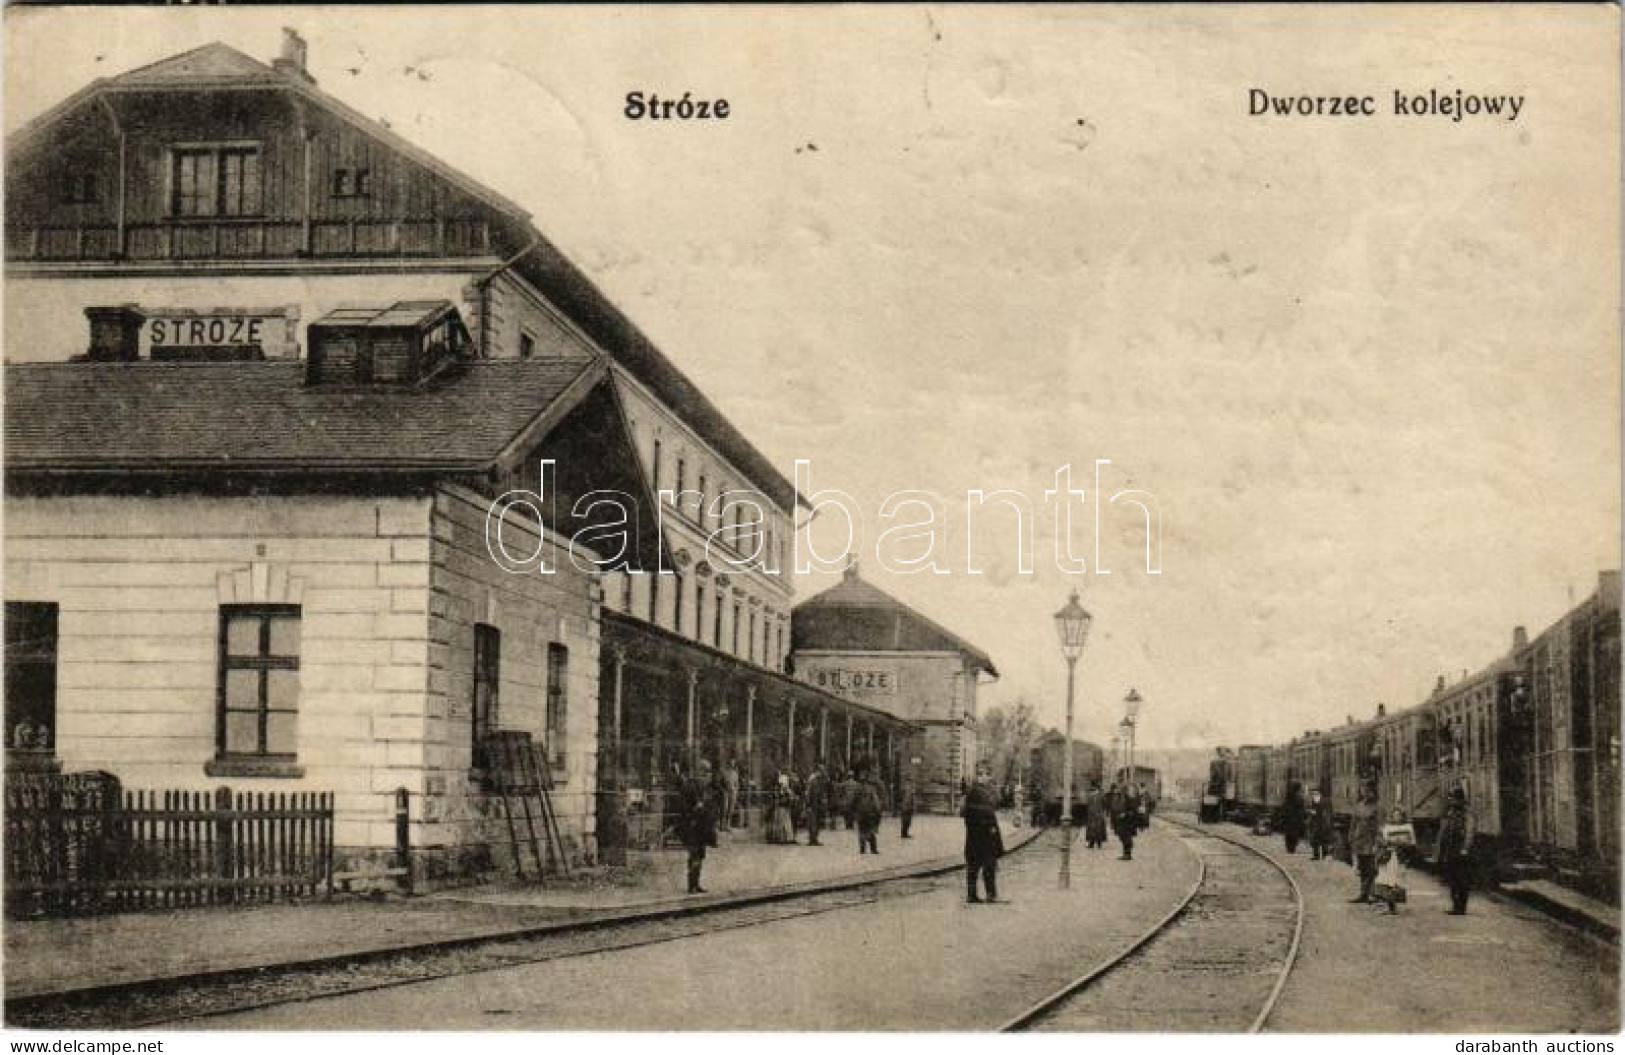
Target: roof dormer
[(403, 344)]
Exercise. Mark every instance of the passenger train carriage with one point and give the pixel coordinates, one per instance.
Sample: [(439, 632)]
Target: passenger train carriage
[(1048, 764), (1533, 739)]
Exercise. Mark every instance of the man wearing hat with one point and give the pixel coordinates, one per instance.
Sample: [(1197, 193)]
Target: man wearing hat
[(1456, 832), (699, 820), (984, 845), (1363, 830)]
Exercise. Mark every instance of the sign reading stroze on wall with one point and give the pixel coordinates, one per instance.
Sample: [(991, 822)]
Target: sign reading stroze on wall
[(839, 679), (247, 332)]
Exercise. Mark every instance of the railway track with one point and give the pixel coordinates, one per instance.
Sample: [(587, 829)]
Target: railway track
[(1216, 963), (185, 1001)]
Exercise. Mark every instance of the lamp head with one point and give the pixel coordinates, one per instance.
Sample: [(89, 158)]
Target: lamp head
[(1072, 626)]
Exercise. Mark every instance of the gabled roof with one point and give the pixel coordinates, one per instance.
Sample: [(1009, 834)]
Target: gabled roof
[(219, 66), (222, 67), (210, 64), (261, 416), (856, 615)]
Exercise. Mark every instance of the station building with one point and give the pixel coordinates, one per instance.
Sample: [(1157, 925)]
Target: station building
[(266, 575), (199, 221), (859, 642)]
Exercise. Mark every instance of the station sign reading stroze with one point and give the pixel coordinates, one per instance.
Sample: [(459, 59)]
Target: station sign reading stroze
[(132, 331), (855, 682), (216, 332)]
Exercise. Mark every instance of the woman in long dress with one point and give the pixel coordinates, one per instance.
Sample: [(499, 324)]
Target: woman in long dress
[(781, 811), (1392, 875)]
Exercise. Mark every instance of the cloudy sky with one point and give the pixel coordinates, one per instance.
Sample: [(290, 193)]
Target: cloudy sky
[(1369, 368)]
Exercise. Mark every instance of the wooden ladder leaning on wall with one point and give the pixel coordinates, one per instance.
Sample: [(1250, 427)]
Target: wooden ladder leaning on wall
[(522, 778)]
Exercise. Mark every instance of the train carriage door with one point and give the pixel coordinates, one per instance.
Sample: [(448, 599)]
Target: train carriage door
[(1580, 737)]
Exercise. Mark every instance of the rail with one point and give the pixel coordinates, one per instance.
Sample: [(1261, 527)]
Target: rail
[(1052, 1001)]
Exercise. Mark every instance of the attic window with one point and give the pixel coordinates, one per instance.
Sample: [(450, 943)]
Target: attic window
[(215, 180), (352, 183)]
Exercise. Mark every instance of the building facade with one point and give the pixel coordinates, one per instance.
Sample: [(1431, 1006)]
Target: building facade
[(860, 643), (213, 206), (263, 575), (211, 209)]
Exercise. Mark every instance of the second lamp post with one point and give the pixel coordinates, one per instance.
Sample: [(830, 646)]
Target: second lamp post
[(1072, 624)]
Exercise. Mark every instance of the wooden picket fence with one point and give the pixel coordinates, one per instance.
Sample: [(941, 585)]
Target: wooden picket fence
[(85, 846)]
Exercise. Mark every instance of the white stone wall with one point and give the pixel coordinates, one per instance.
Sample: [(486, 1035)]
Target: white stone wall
[(389, 590), (757, 590), (531, 611), (140, 582)]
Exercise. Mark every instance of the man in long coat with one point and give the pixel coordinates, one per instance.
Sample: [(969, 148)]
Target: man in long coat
[(817, 802), (905, 806), (1456, 832), (1125, 807), (1293, 817), (868, 805), (1094, 817), (1321, 831), (849, 800), (984, 844), (698, 805)]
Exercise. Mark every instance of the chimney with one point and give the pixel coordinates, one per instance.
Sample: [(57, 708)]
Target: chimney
[(1608, 590), (1382, 709), (115, 333), (1438, 686), (1520, 638), (292, 59)]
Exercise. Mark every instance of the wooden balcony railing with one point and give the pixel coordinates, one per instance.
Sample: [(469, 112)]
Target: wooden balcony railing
[(250, 240)]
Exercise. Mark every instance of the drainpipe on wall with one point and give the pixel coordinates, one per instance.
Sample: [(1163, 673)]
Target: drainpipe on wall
[(123, 152), (483, 283)]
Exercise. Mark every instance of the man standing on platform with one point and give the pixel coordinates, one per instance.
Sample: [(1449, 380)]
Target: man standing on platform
[(699, 820), (984, 844), (1456, 832), (1321, 831), (817, 801), (1125, 807), (849, 800), (905, 806), (1363, 828), (868, 807)]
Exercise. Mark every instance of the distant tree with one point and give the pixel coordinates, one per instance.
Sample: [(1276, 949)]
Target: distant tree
[(1007, 737)]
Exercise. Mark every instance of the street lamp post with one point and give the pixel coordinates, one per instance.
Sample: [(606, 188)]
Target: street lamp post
[(1131, 718), (1072, 624)]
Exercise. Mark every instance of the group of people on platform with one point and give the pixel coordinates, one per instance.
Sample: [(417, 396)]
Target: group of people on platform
[(1312, 818), (709, 802), (857, 797), (1379, 847), (1123, 809), (815, 802)]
